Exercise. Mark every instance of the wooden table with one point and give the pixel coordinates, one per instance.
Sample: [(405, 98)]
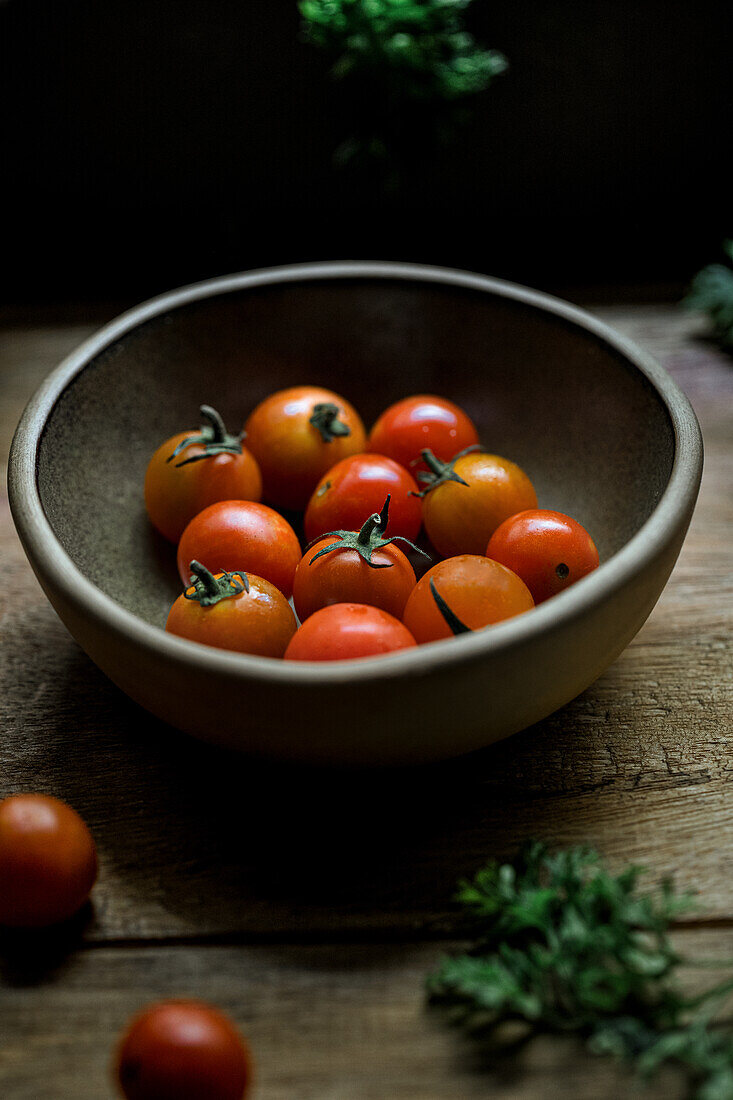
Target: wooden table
[(310, 906)]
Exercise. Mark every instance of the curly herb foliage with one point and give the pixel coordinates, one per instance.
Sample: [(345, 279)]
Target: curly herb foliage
[(406, 55), (563, 945), (711, 292)]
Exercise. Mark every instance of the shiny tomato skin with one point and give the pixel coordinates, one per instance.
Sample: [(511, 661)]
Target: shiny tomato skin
[(239, 534), (175, 494), (344, 631), (358, 486), (460, 519), (259, 622), (423, 421), (478, 591), (342, 576), (183, 1050), (291, 451), (548, 550), (48, 861)]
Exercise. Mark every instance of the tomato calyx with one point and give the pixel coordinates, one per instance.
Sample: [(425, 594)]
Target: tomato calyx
[(208, 589), (326, 418), (455, 624), (439, 472), (365, 541), (213, 435)]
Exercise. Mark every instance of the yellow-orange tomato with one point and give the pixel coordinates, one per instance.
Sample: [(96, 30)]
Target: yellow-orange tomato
[(48, 862), (462, 594), (296, 435), (192, 470), (236, 611), (461, 518)]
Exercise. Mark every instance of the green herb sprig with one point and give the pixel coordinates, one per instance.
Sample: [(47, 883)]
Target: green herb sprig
[(711, 292), (563, 945)]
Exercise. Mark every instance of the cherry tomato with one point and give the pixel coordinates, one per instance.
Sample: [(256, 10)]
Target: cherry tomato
[(183, 1050), (548, 550), (468, 499), (240, 534), (343, 631), (357, 486), (405, 429), (194, 469), (236, 611), (296, 435), (463, 594), (355, 567), (48, 862)]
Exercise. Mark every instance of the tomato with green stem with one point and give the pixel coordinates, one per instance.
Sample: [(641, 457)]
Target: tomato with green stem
[(236, 611), (358, 486), (362, 566), (423, 421), (296, 435), (463, 594), (548, 550), (346, 631), (466, 499), (194, 469), (48, 861), (241, 534)]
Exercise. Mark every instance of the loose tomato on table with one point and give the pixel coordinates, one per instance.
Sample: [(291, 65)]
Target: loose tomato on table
[(48, 861), (241, 534), (344, 631), (194, 469), (183, 1050), (236, 611), (296, 435), (463, 594), (548, 550), (362, 567), (465, 500), (359, 485), (411, 425)]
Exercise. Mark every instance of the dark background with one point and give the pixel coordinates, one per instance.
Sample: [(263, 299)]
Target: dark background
[(149, 144)]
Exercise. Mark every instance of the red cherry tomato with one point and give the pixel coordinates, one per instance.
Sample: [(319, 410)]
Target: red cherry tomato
[(48, 862), (296, 435), (460, 518), (236, 611), (358, 486), (462, 594), (355, 567), (344, 631), (406, 428), (240, 534), (548, 550), (183, 1050), (194, 469)]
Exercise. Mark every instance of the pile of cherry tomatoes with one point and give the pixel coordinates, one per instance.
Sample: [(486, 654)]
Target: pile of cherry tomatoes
[(361, 501)]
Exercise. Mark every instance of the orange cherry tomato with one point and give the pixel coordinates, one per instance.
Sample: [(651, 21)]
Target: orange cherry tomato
[(343, 631), (194, 469), (467, 499), (183, 1050), (357, 486), (236, 611), (48, 862), (548, 550), (241, 534), (405, 429), (296, 435), (355, 567), (462, 594)]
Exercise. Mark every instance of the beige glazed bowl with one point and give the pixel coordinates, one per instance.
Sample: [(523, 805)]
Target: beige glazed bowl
[(603, 432)]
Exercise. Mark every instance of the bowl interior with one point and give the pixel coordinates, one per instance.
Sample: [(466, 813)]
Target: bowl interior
[(587, 427)]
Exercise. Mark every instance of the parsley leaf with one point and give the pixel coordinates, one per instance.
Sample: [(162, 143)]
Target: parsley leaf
[(711, 292)]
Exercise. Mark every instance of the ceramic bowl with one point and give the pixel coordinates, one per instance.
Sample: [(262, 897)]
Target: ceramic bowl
[(603, 432)]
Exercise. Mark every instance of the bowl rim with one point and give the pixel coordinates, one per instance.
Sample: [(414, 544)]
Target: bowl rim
[(50, 559)]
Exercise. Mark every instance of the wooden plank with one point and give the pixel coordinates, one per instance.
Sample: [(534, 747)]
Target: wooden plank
[(193, 842)]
